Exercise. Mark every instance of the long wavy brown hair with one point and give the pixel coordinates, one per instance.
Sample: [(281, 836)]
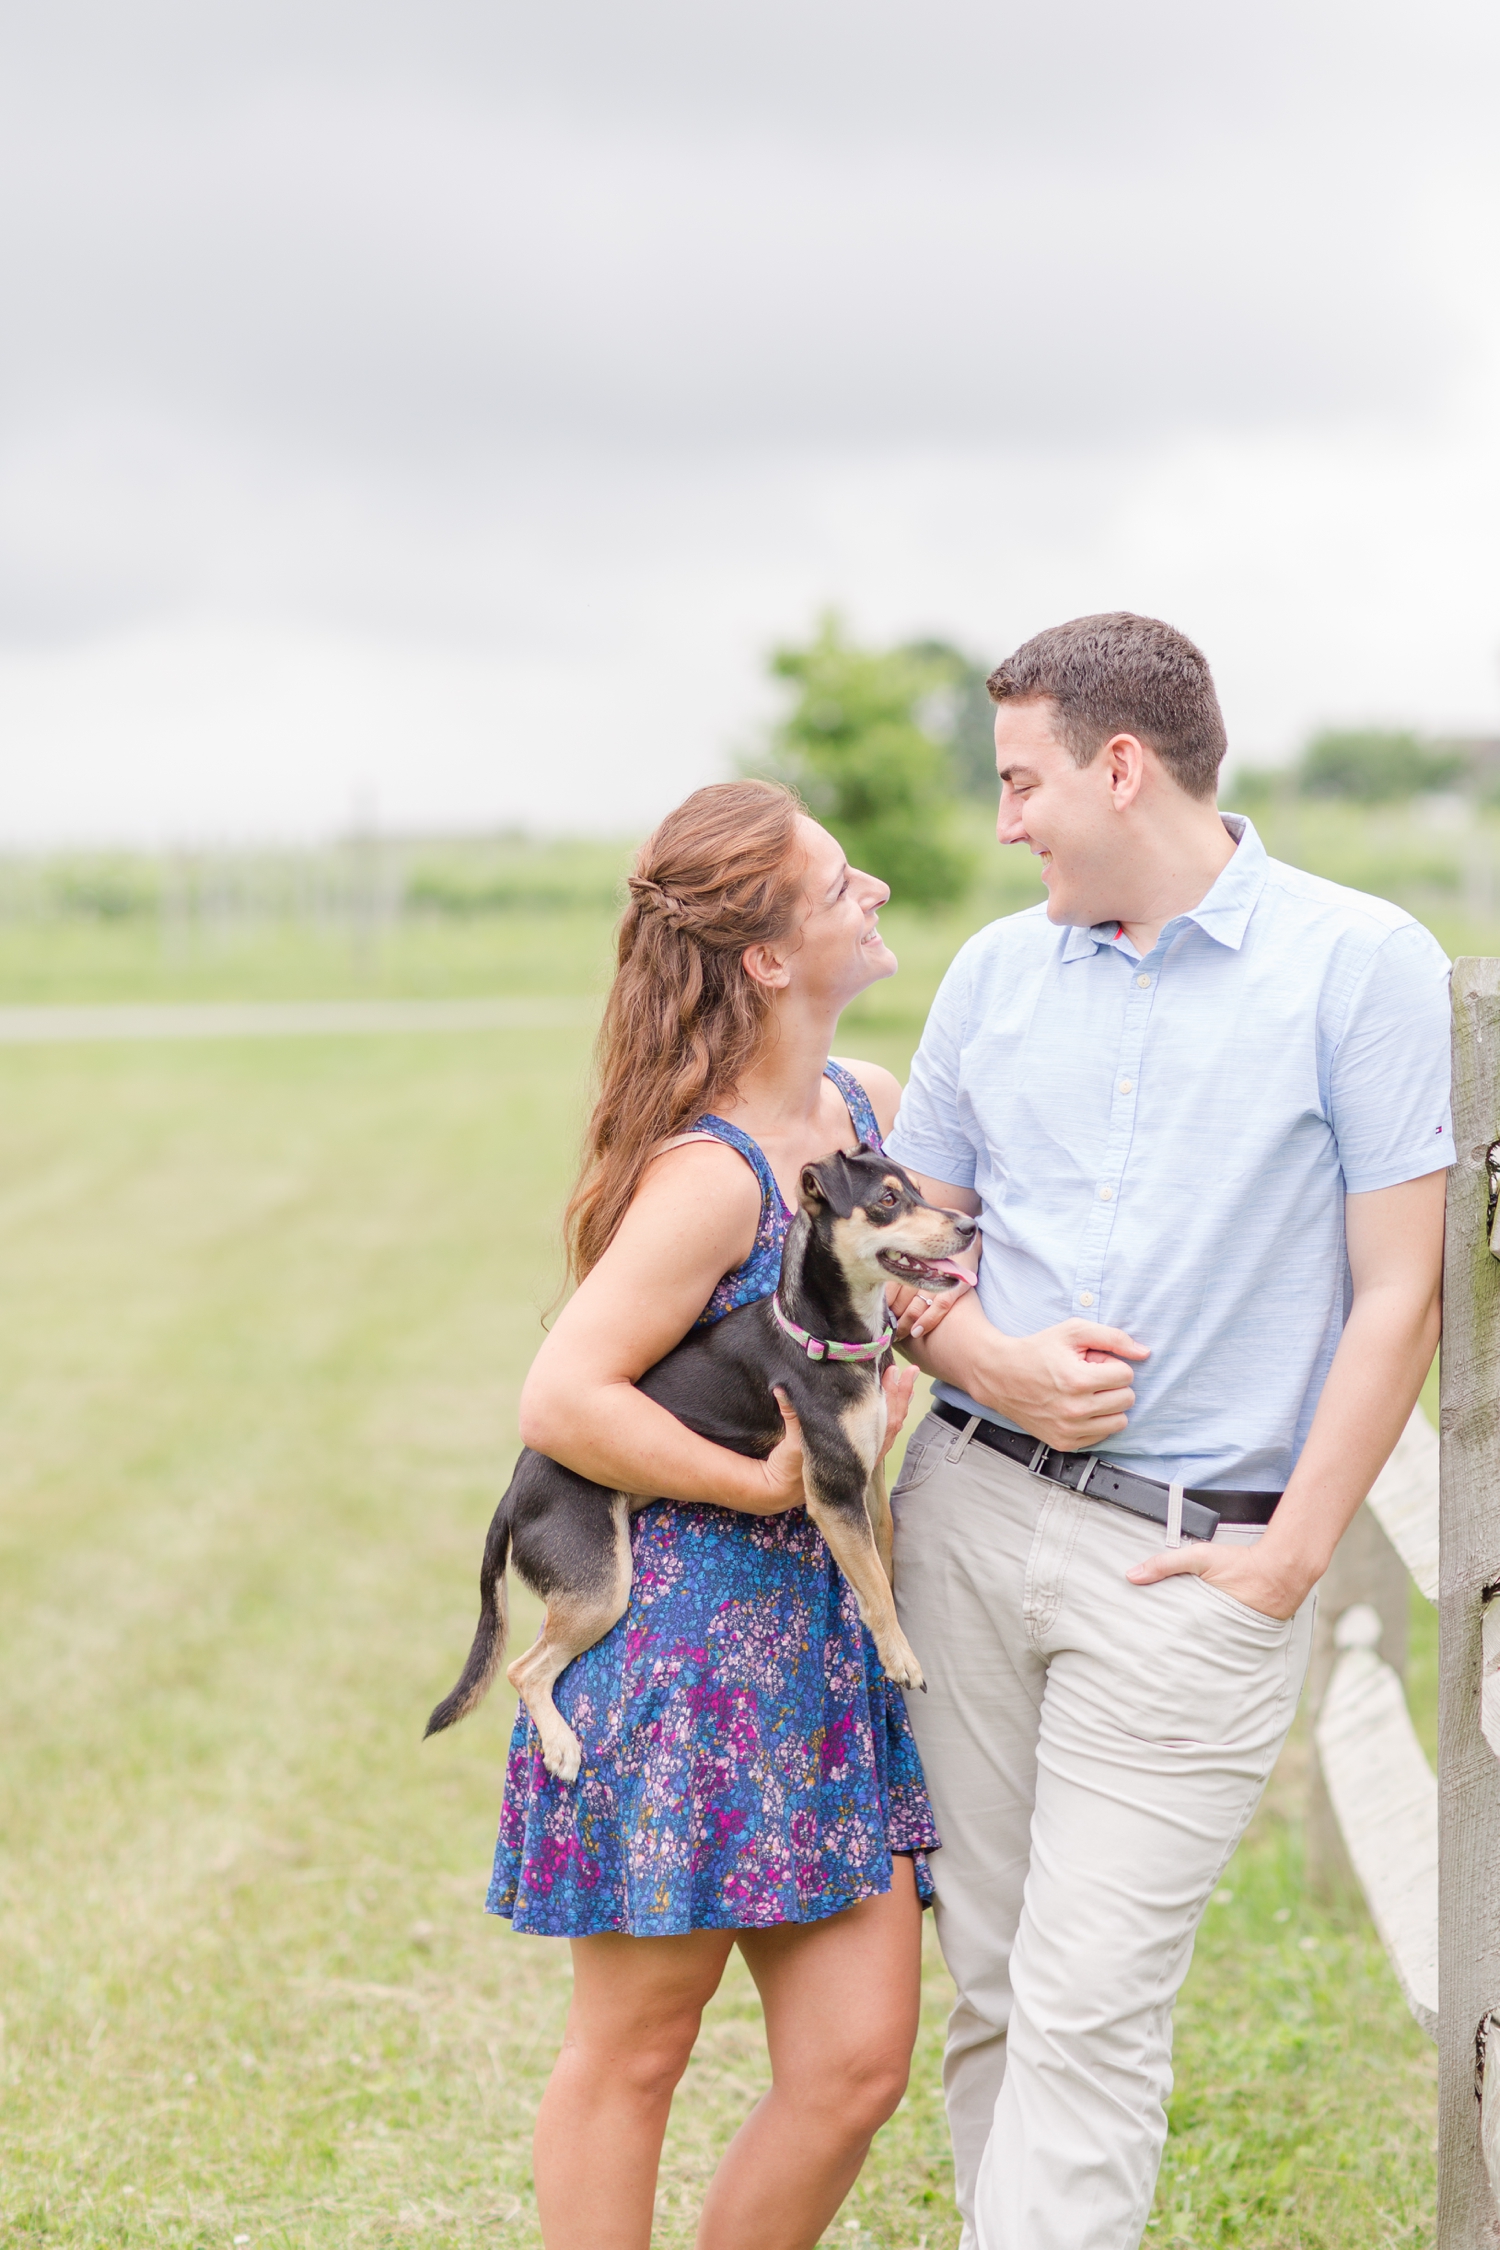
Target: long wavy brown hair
[(683, 1020)]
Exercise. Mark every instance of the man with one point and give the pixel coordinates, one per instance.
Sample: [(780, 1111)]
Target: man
[(1200, 1104)]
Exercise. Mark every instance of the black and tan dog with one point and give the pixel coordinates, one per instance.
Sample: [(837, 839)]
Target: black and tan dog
[(823, 1339)]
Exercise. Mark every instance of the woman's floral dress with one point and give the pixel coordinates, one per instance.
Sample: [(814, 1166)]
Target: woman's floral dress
[(745, 1759)]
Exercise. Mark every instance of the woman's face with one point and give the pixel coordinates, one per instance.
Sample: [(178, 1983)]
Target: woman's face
[(838, 946)]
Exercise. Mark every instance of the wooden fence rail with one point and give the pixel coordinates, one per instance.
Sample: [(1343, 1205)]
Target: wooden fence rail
[(1385, 1796)]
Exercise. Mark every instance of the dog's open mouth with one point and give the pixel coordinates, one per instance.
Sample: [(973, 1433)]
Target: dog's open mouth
[(923, 1273)]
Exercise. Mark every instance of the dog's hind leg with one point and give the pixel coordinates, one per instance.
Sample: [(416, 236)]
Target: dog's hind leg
[(574, 1620)]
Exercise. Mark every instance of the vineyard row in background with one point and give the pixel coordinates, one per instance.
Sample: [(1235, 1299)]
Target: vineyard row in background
[(1436, 851)]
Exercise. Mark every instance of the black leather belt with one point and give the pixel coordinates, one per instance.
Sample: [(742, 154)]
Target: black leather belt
[(1202, 1511)]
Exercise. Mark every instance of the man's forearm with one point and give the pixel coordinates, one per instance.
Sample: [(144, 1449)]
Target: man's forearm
[(961, 1351), (1377, 1372)]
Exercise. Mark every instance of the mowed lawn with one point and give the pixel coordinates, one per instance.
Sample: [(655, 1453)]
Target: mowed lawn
[(265, 1311)]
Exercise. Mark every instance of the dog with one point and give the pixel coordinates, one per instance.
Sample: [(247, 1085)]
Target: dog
[(824, 1340)]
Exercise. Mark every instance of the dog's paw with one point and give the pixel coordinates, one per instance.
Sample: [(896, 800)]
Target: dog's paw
[(901, 1666), (563, 1755)]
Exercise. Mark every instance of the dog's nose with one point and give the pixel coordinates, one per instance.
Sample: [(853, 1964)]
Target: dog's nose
[(964, 1225)]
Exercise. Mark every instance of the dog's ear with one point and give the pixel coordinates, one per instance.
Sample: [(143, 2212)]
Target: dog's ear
[(813, 1192)]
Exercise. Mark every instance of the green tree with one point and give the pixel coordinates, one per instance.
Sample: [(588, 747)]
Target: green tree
[(853, 745), (1374, 766), (959, 714)]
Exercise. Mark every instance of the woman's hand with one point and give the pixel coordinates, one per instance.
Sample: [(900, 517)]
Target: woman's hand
[(782, 1466), (898, 1384), (917, 1314)]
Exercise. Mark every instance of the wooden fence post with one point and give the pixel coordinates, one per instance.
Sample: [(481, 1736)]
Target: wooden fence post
[(1468, 1770)]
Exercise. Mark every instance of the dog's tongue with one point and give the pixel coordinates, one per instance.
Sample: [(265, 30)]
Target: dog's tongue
[(954, 1271)]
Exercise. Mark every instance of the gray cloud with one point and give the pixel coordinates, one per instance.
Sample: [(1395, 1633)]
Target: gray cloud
[(510, 327), (451, 235)]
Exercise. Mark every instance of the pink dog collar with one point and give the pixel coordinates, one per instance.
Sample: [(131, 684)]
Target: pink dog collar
[(820, 1347)]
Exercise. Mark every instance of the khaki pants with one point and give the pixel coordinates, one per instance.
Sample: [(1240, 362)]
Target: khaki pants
[(1094, 1751)]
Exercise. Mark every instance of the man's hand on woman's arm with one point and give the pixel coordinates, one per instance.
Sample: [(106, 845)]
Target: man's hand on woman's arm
[(1069, 1385), (1395, 1240)]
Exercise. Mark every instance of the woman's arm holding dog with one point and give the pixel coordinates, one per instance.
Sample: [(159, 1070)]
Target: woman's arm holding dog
[(693, 1220)]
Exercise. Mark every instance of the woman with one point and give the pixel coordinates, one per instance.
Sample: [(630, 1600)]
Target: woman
[(749, 1777)]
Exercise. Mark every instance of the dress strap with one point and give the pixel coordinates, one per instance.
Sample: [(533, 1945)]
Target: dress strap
[(711, 1128), (857, 1101)]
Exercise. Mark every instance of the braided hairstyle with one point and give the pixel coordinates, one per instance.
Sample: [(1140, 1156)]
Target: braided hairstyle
[(683, 1020)]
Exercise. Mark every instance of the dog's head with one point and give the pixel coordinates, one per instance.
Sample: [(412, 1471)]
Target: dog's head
[(869, 1214)]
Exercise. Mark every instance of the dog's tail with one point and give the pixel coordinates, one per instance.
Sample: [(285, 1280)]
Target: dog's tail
[(488, 1651)]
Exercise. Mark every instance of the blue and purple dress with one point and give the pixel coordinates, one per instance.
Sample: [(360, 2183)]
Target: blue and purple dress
[(745, 1759)]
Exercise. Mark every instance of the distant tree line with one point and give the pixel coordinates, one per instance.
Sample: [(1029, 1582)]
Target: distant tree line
[(1377, 766), (352, 881)]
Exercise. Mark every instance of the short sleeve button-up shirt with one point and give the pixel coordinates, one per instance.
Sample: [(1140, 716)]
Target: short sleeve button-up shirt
[(1164, 1144)]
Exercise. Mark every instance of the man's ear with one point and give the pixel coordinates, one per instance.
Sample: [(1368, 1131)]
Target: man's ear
[(1124, 757)]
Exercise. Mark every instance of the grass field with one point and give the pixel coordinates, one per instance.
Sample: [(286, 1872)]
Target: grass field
[(266, 1308)]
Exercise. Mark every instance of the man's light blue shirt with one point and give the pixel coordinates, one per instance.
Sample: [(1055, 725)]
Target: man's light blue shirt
[(1164, 1144)]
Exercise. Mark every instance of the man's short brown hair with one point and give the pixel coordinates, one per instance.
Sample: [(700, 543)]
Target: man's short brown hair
[(1121, 674)]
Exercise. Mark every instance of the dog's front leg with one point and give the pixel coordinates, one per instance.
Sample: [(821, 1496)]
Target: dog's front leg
[(878, 1505), (842, 1518)]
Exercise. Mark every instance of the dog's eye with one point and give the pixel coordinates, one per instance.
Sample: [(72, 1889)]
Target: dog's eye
[(890, 1199)]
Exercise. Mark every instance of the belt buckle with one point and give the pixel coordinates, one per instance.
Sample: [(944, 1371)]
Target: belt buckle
[(1068, 1468)]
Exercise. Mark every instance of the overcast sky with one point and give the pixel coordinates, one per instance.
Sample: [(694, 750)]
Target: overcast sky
[(441, 408)]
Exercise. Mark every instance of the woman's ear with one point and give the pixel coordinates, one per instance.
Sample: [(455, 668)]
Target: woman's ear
[(762, 964)]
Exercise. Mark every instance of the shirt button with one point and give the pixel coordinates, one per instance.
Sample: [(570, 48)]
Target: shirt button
[(1143, 982), (1124, 1085), (1105, 1193), (1085, 1296)]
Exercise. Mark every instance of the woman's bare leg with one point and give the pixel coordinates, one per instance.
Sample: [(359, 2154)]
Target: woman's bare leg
[(841, 1999), (634, 2016)]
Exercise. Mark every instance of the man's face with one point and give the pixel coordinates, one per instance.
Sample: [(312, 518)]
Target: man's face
[(1064, 813)]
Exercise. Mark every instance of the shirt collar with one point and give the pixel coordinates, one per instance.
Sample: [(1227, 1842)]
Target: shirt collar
[(1224, 914)]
